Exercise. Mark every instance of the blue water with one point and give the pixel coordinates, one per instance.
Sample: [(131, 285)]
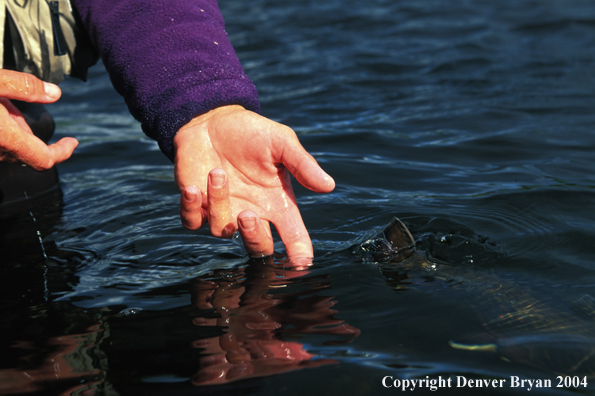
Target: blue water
[(470, 120)]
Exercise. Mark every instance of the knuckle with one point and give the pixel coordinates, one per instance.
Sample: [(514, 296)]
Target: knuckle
[(217, 196), (287, 130), (43, 164), (30, 84), (190, 222), (20, 84), (225, 231)]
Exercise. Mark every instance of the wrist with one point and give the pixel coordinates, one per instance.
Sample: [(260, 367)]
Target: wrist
[(204, 118), (196, 133)]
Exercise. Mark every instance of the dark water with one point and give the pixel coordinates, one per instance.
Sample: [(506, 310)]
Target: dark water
[(470, 120)]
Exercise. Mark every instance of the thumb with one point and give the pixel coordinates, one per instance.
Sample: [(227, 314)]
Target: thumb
[(41, 157), (304, 167)]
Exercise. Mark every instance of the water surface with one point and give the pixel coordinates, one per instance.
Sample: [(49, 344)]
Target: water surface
[(470, 120)]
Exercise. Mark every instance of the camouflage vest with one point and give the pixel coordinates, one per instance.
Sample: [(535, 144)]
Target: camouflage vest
[(47, 40)]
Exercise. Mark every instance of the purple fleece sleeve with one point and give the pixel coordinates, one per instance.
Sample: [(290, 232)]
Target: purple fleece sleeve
[(170, 59)]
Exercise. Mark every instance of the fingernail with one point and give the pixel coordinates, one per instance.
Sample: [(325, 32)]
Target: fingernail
[(248, 223), (190, 194), (51, 90), (217, 179)]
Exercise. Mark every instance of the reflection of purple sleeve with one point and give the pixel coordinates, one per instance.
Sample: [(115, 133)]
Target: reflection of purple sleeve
[(170, 59)]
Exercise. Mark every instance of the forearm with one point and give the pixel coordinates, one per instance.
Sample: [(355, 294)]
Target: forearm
[(171, 60)]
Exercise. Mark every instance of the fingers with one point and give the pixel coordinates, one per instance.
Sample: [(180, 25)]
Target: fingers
[(192, 214), (294, 235), (256, 234), (301, 164), (18, 140), (308, 173), (221, 221), (26, 87)]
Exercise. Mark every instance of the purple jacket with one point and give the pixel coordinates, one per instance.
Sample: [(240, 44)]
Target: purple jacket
[(170, 59)]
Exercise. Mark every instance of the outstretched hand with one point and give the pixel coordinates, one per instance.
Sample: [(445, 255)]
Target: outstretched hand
[(232, 164), (17, 141)]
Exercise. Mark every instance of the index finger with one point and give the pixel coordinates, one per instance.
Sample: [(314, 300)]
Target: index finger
[(26, 87)]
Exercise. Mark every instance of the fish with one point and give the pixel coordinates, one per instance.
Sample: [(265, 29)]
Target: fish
[(549, 332)]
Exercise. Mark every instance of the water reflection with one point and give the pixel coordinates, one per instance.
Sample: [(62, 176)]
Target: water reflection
[(45, 346), (73, 364), (254, 320), (258, 310)]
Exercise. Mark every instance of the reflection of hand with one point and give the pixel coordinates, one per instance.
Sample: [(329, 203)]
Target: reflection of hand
[(250, 158), (68, 360), (17, 141), (255, 318), (230, 360)]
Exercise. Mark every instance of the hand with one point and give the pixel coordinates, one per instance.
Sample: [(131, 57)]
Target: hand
[(230, 160), (17, 141)]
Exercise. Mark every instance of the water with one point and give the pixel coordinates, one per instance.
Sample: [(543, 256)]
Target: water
[(470, 120)]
